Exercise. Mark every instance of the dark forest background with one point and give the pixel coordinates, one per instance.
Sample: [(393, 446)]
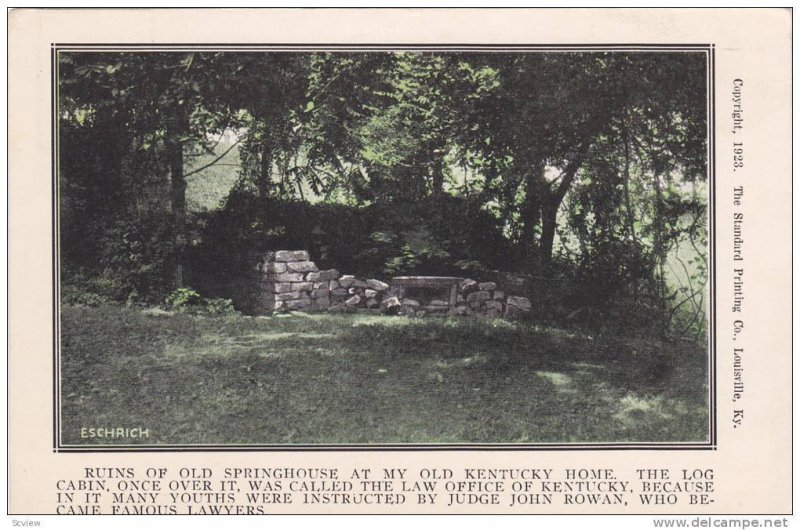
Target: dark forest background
[(581, 175)]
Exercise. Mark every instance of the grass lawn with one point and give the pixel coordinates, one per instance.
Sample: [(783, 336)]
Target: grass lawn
[(296, 379)]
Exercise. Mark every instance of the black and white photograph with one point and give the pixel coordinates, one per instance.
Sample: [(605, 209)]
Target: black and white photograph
[(383, 246)]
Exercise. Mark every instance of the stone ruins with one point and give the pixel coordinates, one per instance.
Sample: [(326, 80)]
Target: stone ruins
[(289, 281)]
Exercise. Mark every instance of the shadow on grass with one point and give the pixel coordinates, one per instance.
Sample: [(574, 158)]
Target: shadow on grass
[(371, 379)]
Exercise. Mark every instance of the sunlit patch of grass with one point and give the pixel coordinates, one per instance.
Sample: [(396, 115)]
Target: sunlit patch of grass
[(373, 321), (463, 362), (587, 367), (634, 409), (558, 380)]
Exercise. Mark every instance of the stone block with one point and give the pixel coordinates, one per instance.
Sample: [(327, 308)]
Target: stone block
[(333, 284), (322, 276), (361, 284), (292, 295), (519, 302), (391, 305), (291, 255), (377, 285), (281, 287), (494, 305), (289, 277), (499, 295), (353, 301), (468, 286), (302, 286), (477, 297), (370, 293), (517, 307), (347, 280), (302, 266), (272, 267), (303, 303), (320, 293), (487, 286), (339, 292)]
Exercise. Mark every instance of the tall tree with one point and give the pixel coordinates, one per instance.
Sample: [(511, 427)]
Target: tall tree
[(168, 102), (539, 124)]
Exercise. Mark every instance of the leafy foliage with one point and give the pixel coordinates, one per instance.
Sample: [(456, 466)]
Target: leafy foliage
[(429, 237), (187, 300), (583, 167)]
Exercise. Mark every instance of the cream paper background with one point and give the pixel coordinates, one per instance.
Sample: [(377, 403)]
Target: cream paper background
[(752, 464)]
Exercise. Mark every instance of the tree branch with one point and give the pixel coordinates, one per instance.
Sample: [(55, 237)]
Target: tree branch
[(568, 175), (220, 157)]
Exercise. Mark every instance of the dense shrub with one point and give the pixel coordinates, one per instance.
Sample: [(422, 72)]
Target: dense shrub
[(79, 296), (444, 235), (187, 300), (115, 231)]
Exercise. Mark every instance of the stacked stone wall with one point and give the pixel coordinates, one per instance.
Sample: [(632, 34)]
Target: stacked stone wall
[(288, 280)]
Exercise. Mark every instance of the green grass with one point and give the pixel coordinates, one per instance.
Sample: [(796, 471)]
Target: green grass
[(371, 379)]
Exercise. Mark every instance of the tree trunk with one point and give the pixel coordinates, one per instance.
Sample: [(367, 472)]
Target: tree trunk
[(659, 246), (264, 184), (437, 171), (550, 205), (626, 180), (174, 160), (549, 223), (531, 213), (437, 182)]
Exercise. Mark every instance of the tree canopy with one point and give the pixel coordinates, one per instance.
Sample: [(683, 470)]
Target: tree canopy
[(587, 166)]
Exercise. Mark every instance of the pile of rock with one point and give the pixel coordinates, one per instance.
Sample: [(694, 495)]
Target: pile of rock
[(354, 293), (486, 300), (291, 281), (483, 299)]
